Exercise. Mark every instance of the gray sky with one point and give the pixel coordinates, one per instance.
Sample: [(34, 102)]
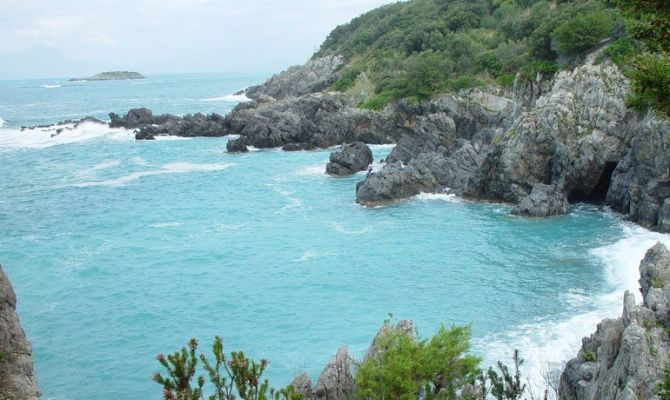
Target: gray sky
[(46, 38)]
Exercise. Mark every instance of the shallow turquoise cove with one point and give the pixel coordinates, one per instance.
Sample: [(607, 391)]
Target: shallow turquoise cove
[(120, 250)]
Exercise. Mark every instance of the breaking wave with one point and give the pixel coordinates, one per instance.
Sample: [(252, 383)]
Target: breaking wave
[(547, 344), (38, 138)]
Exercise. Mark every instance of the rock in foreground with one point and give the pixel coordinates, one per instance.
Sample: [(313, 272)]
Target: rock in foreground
[(625, 357), (351, 158), (17, 379)]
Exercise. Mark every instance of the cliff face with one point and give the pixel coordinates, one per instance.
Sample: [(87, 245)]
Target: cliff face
[(625, 357), (17, 380)]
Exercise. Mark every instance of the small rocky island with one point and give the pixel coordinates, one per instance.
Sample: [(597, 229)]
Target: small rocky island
[(111, 76)]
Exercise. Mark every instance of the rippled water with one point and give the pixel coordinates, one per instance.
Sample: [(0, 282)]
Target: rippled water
[(119, 250)]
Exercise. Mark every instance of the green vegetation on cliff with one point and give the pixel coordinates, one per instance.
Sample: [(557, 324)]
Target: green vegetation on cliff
[(417, 48)]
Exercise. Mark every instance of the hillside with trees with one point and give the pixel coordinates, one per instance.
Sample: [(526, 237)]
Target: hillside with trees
[(418, 48)]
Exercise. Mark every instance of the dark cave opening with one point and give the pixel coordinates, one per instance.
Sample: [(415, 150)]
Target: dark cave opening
[(598, 193)]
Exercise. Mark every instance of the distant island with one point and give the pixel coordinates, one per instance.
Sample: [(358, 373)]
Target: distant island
[(111, 76)]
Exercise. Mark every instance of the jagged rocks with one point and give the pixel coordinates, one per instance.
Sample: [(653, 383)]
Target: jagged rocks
[(624, 359), (137, 118), (543, 201), (405, 326), (302, 384), (17, 379), (190, 125), (314, 76), (351, 158), (336, 382)]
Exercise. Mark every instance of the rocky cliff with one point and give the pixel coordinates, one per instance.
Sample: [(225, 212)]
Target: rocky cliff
[(625, 358), (17, 379)]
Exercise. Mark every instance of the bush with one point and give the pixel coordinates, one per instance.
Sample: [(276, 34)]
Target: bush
[(651, 83), (408, 368), (237, 374), (582, 32), (622, 51)]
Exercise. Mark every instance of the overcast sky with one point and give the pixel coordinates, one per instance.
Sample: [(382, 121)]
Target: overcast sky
[(156, 36)]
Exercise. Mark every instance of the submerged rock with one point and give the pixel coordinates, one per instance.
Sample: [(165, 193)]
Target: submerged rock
[(17, 378), (625, 357), (349, 159)]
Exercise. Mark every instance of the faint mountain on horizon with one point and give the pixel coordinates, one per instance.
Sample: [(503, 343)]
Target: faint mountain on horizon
[(43, 61)]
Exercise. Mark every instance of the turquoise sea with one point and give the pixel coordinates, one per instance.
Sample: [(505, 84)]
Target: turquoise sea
[(119, 250)]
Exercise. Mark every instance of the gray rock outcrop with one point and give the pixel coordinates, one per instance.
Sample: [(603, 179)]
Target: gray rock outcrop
[(302, 384), (543, 201), (349, 159), (625, 358), (446, 144), (405, 327), (336, 382), (314, 76), (317, 120), (17, 379)]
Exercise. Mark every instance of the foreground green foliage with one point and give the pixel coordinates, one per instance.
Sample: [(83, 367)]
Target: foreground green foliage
[(237, 376), (408, 368), (417, 48)]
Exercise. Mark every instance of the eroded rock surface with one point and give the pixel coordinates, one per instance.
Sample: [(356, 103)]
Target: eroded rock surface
[(17, 378), (625, 357), (349, 159)]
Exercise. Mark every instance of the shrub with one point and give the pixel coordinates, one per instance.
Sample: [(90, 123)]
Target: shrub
[(664, 386), (582, 32), (238, 374), (590, 356), (657, 282), (651, 83), (622, 51), (409, 368)]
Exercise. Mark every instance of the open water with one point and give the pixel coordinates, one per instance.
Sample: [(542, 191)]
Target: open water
[(119, 250)]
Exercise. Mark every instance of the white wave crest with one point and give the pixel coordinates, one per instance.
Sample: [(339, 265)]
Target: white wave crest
[(311, 254), (2, 122), (382, 146), (232, 98), (449, 197), (171, 138), (312, 170), (51, 86), (550, 342), (165, 225), (174, 168), (88, 172), (39, 138)]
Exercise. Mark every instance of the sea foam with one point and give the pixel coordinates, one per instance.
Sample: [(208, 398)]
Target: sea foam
[(547, 344), (232, 98), (51, 86), (173, 168), (2, 122), (38, 138)]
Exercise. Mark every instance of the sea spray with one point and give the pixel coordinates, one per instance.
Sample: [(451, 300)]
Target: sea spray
[(547, 344)]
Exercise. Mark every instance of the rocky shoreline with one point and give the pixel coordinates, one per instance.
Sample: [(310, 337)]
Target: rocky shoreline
[(558, 139)]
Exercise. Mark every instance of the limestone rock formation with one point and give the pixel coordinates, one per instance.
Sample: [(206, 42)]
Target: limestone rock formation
[(404, 326), (314, 76), (543, 201), (17, 379), (349, 159), (336, 382), (625, 357), (317, 120), (303, 384)]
